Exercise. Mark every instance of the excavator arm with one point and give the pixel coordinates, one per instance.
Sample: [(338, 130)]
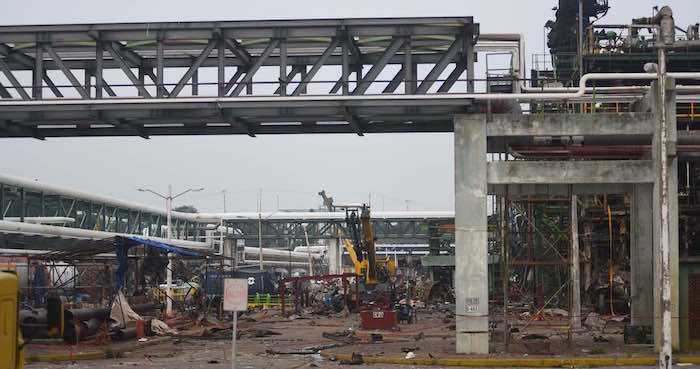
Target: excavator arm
[(362, 250)]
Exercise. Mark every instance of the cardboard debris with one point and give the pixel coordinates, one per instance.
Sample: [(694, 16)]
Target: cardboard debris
[(159, 328), (121, 311)]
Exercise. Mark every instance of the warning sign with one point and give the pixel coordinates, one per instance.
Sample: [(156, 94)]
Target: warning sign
[(235, 294)]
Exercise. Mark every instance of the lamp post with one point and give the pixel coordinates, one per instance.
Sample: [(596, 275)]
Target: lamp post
[(169, 271)]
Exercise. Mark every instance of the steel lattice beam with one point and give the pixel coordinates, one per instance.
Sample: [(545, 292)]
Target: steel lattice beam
[(356, 50)]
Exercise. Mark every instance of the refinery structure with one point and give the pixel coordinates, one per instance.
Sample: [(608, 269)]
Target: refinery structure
[(573, 240)]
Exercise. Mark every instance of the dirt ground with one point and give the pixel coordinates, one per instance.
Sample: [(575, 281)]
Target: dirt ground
[(274, 342)]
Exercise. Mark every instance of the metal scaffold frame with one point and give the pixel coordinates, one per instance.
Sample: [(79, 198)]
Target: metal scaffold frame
[(237, 63)]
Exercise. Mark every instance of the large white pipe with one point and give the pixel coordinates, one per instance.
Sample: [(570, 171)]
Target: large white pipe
[(295, 264), (66, 232), (208, 217), (312, 249), (88, 234), (42, 220), (319, 215), (573, 92), (50, 189), (277, 254), (217, 101)]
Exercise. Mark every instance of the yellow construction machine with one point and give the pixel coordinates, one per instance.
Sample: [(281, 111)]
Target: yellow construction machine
[(11, 351), (362, 250)]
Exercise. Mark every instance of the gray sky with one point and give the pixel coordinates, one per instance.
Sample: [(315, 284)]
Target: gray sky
[(393, 168)]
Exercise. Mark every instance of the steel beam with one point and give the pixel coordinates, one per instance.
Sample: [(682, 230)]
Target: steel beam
[(377, 68), (15, 83), (451, 79), (38, 72), (193, 68), (21, 130), (66, 72), (395, 82), (99, 66), (296, 69), (437, 69), (315, 68), (353, 122), (250, 72), (52, 86), (238, 50), (126, 69), (4, 93), (160, 69)]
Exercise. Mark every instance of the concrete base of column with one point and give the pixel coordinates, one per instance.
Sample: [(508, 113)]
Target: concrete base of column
[(473, 343)]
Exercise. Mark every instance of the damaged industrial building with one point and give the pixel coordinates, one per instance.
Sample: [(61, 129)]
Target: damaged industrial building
[(574, 239)]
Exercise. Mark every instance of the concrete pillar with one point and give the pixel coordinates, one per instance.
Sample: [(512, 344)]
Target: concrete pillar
[(575, 274), (641, 254), (471, 249), (333, 265), (672, 180), (228, 251)]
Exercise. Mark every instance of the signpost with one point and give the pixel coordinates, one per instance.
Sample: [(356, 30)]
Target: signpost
[(235, 299)]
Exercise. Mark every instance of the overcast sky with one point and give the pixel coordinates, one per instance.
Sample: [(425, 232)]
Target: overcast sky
[(399, 170)]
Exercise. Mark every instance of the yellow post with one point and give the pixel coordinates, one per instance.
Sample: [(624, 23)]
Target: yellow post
[(11, 355)]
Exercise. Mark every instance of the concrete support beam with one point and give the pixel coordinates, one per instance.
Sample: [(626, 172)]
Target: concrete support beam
[(608, 171), (605, 124), (641, 255), (574, 274), (228, 251), (672, 203), (334, 266), (560, 189), (471, 249)]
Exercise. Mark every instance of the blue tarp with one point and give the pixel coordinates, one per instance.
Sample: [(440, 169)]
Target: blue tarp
[(164, 246)]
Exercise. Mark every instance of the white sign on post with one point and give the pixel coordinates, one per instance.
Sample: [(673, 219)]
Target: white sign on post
[(235, 294), (235, 299)]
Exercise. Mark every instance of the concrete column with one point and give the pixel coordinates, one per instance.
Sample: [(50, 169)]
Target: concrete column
[(641, 254), (575, 274), (471, 259), (672, 180), (333, 265), (227, 250)]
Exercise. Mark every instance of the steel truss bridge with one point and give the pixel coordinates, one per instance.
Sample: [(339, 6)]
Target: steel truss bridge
[(239, 77), (23, 200)]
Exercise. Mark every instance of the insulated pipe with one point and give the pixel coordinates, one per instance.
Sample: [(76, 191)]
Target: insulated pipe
[(47, 230), (42, 220), (316, 215), (59, 190), (54, 231), (11, 180), (578, 92), (280, 263), (277, 254)]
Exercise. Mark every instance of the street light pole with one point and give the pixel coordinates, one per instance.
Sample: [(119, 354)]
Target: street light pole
[(169, 270)]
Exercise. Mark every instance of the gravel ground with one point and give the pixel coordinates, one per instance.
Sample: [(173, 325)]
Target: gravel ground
[(431, 337)]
